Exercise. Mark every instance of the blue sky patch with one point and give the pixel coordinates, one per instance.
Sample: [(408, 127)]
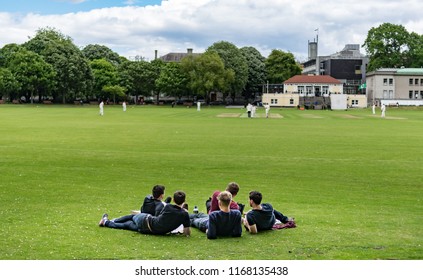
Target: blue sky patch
[(45, 7)]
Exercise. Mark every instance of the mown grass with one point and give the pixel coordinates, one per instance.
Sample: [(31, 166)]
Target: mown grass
[(353, 181)]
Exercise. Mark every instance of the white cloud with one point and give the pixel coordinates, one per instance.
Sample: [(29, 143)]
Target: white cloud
[(176, 25)]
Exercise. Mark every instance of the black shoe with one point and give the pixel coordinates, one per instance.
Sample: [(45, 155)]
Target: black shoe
[(103, 220), (241, 207), (168, 199), (208, 204)]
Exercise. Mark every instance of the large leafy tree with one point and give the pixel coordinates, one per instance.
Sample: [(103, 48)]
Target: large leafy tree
[(7, 52), (9, 86), (138, 77), (105, 74), (172, 80), (156, 67), (95, 51), (33, 75), (233, 59), (390, 45), (415, 52), (281, 66), (113, 91), (74, 78), (256, 71), (207, 74)]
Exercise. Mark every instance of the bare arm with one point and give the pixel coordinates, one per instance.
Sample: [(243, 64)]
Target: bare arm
[(252, 229)]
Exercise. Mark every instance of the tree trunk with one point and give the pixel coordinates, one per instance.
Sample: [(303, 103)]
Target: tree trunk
[(157, 98)]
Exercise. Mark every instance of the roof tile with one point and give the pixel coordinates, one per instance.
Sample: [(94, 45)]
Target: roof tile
[(307, 79)]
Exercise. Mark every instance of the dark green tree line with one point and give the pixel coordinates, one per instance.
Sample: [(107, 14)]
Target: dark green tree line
[(65, 73)]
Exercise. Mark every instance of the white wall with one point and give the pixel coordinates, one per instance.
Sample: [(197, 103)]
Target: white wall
[(338, 101), (402, 102)]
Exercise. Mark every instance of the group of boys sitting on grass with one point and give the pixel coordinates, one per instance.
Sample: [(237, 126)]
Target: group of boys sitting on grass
[(224, 216)]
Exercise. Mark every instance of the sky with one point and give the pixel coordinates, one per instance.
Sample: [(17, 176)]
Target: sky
[(139, 27)]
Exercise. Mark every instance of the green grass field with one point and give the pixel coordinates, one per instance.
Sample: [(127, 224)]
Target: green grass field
[(353, 181)]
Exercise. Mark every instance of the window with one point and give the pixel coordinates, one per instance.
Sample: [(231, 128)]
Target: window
[(416, 82), (416, 94), (354, 102), (273, 101), (410, 82), (385, 82), (300, 89), (309, 89), (391, 94), (291, 101), (421, 94), (325, 89), (410, 94), (357, 69), (421, 82), (391, 82), (385, 94)]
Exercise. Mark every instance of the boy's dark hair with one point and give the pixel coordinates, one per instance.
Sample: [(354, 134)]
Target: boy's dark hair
[(179, 197), (233, 188), (158, 190), (256, 197)]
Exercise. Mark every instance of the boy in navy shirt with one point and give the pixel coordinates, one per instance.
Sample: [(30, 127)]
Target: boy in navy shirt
[(262, 216), (223, 222)]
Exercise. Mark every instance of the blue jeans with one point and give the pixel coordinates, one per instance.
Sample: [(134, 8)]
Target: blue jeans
[(130, 222), (200, 221)]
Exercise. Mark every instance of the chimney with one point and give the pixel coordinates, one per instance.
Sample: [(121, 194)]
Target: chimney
[(155, 54)]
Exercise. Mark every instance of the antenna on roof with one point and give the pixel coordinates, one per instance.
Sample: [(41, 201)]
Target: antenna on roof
[(317, 40), (317, 52)]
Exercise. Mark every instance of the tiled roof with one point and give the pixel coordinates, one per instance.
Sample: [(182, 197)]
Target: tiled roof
[(306, 79), (176, 57)]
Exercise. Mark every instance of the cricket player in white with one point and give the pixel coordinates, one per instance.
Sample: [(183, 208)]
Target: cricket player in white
[(249, 108), (267, 108), (101, 108)]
